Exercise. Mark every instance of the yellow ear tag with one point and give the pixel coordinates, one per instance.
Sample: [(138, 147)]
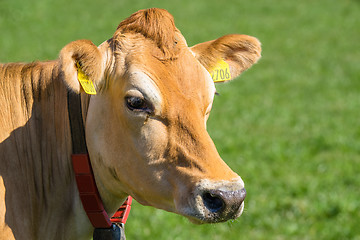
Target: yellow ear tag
[(221, 72), (85, 82)]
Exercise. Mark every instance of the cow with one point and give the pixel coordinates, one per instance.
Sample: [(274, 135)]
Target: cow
[(145, 129)]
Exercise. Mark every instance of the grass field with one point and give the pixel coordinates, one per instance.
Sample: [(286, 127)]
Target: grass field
[(290, 126)]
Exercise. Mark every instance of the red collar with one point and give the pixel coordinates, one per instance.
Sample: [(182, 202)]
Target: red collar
[(84, 175), (90, 197)]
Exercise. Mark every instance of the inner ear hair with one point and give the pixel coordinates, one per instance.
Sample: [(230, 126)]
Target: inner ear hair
[(89, 58)]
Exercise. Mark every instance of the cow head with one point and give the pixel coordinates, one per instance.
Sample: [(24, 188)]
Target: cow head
[(146, 127)]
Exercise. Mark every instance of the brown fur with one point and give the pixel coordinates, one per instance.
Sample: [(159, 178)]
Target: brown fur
[(155, 24), (165, 160), (34, 153)]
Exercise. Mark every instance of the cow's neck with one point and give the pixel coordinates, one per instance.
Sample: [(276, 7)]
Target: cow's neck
[(35, 150)]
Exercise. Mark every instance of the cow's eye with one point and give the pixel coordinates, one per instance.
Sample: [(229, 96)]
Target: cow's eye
[(136, 103)]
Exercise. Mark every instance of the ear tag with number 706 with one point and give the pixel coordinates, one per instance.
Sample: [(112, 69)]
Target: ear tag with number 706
[(221, 72)]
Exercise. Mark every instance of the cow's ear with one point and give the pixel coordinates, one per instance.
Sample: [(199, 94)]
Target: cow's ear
[(81, 66), (227, 57)]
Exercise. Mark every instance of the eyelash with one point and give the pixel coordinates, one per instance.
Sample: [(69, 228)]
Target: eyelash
[(138, 104)]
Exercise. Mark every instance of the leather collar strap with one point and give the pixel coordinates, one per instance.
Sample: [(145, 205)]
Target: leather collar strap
[(84, 175)]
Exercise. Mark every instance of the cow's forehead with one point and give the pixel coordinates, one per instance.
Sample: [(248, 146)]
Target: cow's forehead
[(182, 77)]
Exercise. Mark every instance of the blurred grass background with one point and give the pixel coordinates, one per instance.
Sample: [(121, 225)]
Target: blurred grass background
[(290, 126)]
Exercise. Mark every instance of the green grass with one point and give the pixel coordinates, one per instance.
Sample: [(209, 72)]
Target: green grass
[(290, 126)]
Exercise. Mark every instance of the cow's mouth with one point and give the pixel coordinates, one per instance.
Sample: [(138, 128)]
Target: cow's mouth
[(211, 217)]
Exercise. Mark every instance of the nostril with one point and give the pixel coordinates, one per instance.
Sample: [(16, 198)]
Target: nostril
[(213, 202)]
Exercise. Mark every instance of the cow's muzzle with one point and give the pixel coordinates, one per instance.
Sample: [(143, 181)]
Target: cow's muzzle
[(222, 204), (218, 201)]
